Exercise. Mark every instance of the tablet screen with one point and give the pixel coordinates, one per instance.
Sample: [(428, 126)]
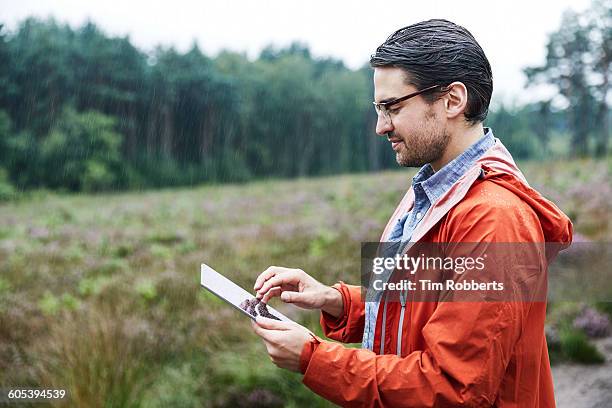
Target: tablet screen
[(237, 296)]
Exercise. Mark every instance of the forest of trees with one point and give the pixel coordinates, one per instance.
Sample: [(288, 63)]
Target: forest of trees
[(82, 111)]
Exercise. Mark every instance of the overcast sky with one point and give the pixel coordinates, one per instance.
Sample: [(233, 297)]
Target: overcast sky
[(513, 34)]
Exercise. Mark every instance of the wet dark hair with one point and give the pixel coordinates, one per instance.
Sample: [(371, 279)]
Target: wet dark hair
[(440, 52)]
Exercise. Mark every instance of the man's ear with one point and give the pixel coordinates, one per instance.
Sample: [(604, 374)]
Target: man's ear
[(455, 100)]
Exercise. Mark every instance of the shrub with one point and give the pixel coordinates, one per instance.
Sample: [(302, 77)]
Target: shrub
[(175, 387), (605, 307), (592, 322), (7, 191), (100, 358), (576, 347), (82, 152)]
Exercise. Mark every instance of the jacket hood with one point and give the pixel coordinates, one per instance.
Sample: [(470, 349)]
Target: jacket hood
[(499, 167)]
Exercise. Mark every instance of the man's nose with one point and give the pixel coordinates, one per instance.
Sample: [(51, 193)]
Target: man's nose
[(383, 126)]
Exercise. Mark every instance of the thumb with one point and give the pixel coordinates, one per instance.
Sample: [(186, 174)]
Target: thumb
[(272, 324), (292, 297)]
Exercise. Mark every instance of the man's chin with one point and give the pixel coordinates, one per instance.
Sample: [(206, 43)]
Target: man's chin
[(404, 161), (401, 159)]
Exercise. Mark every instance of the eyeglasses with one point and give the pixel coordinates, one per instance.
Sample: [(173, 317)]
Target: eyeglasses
[(382, 108)]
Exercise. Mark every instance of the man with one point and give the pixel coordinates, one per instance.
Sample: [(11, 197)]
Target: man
[(433, 85)]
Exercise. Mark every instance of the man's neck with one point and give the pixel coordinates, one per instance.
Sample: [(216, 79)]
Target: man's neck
[(459, 142)]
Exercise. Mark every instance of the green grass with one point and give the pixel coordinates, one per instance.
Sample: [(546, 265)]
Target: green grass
[(99, 294)]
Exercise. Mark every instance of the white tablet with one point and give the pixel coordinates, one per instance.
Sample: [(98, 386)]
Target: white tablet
[(234, 294)]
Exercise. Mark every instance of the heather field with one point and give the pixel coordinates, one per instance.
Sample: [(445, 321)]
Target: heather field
[(99, 294)]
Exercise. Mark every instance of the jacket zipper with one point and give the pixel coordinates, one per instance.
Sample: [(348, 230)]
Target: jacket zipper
[(384, 323), (400, 328)]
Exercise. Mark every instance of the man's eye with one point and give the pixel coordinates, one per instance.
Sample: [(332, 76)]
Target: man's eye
[(394, 111)]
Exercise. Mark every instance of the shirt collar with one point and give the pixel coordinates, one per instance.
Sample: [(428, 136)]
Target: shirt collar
[(435, 184)]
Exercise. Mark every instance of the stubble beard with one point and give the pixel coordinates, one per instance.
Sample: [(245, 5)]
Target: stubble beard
[(425, 145)]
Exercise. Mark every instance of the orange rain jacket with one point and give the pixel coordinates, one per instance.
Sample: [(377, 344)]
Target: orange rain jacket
[(453, 354)]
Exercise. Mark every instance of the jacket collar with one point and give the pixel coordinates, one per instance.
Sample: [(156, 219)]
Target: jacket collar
[(435, 184), (495, 158)]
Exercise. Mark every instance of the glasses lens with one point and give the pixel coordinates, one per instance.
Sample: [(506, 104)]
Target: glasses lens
[(385, 114), (382, 111)]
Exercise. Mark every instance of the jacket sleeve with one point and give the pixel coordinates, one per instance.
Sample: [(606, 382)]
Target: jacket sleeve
[(348, 328), (467, 345)]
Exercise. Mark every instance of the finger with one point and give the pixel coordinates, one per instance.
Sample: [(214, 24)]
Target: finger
[(267, 274), (256, 328), (272, 324), (268, 336), (262, 295), (289, 296), (262, 330), (264, 276), (290, 277), (273, 292)]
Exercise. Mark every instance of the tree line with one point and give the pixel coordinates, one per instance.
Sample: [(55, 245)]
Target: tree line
[(82, 111)]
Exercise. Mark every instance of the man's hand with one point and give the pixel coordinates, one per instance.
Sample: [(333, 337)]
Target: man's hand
[(284, 341), (297, 287)]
